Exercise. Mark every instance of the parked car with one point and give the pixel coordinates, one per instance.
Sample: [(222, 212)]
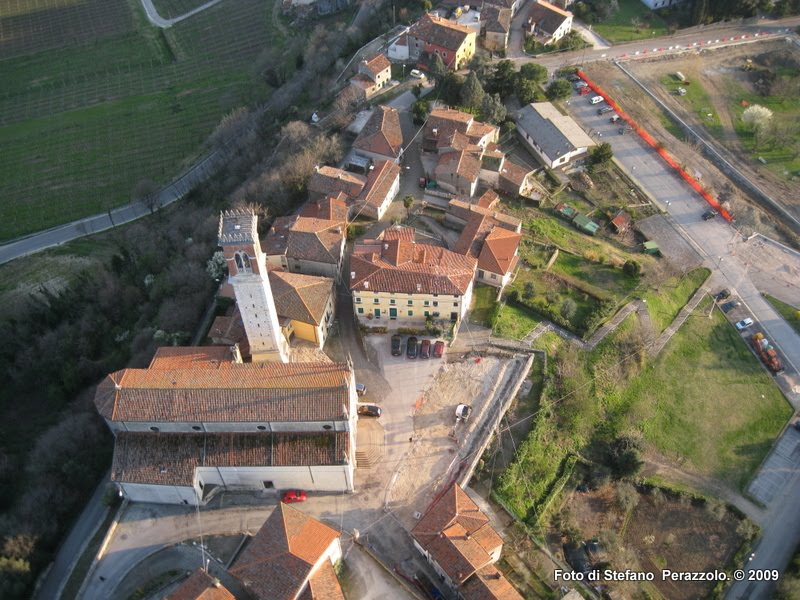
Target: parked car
[(438, 349), (361, 389), (604, 110), (369, 410), (580, 85), (463, 411), (425, 349), (412, 348), (294, 496), (729, 306), (709, 214), (582, 488), (397, 344), (722, 295), (585, 90), (797, 425), (615, 118), (596, 100), (417, 74), (744, 324), (422, 182)]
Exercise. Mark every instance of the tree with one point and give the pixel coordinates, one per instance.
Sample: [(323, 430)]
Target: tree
[(408, 202), (437, 68), (492, 109), (481, 65), (145, 192), (568, 308), (527, 91), (757, 116), (601, 154), (503, 79), (533, 72), (450, 89), (419, 111), (627, 496), (558, 89), (632, 268), (417, 91), (528, 290), (216, 265), (472, 92)]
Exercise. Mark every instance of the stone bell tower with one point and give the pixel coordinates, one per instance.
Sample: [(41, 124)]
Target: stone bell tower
[(247, 272)]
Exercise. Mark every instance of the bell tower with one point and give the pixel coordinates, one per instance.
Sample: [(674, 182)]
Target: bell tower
[(247, 272)]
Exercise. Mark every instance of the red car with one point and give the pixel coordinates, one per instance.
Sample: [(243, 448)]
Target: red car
[(584, 91), (425, 349), (438, 349), (294, 496)]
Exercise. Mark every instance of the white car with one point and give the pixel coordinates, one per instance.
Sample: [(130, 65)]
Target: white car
[(744, 324), (417, 73), (463, 411)]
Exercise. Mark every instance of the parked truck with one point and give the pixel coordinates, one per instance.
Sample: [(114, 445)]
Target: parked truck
[(766, 352)]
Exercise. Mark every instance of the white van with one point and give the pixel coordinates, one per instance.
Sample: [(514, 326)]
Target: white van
[(596, 99)]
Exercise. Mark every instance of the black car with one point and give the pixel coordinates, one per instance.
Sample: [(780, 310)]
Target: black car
[(411, 347), (722, 295), (369, 410), (709, 214), (397, 344), (729, 306)]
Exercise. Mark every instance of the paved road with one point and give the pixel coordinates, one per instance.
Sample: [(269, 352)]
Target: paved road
[(72, 547), (712, 239), (159, 21)]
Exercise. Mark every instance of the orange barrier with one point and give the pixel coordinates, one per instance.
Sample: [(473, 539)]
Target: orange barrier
[(658, 148)]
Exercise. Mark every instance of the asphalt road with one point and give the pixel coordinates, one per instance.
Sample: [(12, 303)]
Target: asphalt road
[(712, 239)]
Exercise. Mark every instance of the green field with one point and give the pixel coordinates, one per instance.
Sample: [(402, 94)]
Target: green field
[(787, 311), (665, 301), (514, 322), (82, 123), (619, 27), (483, 303), (169, 9), (697, 101)]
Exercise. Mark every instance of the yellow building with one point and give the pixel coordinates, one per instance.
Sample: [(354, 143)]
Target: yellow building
[(305, 305)]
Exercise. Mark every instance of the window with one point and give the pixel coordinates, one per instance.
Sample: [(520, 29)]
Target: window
[(436, 295), (411, 313), (411, 303), (455, 304), (427, 303), (361, 310), (454, 316), (494, 276), (427, 314), (481, 274), (435, 303), (376, 300), (391, 301), (268, 485), (358, 300), (242, 262)]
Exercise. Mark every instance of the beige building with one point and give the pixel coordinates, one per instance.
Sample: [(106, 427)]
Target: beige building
[(373, 75), (381, 138), (395, 280), (383, 183), (305, 305), (432, 35)]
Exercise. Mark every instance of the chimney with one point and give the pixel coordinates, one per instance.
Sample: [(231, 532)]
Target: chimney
[(236, 354), (366, 285), (352, 274)]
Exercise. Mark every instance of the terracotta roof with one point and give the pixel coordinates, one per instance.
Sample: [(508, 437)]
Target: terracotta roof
[(382, 133), (403, 266), (489, 584), (443, 124), (362, 81), (379, 182), (300, 297), (324, 585), (499, 251), (328, 181), (304, 238), (441, 32), (465, 164), (488, 199), (621, 221), (277, 562), (249, 392), (546, 16), (171, 458), (463, 210), (200, 586), (330, 208), (457, 535), (191, 357), (512, 177), (377, 64)]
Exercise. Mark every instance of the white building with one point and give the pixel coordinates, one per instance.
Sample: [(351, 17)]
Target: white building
[(555, 139), (548, 23)]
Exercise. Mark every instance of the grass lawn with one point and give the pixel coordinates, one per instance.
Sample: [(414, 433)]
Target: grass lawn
[(169, 9), (787, 311), (666, 301), (514, 322), (698, 102), (618, 28), (708, 401), (483, 301)]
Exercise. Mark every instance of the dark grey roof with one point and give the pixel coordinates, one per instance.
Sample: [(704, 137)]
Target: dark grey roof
[(547, 17), (553, 132)]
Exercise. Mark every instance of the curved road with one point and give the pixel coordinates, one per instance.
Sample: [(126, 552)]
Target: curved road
[(159, 21)]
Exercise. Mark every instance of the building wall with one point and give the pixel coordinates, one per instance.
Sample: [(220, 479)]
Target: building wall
[(159, 494), (377, 213), (396, 52), (540, 154), (455, 184), (376, 157), (309, 267), (339, 424), (495, 41), (563, 29), (487, 277), (405, 303)]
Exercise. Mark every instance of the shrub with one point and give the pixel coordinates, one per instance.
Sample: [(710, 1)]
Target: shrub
[(632, 268)]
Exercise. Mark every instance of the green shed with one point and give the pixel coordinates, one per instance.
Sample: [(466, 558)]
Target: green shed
[(585, 224), (651, 247)]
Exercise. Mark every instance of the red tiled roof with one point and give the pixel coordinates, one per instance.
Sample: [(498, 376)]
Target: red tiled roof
[(277, 562), (499, 251), (463, 210), (489, 584), (444, 123), (191, 357), (457, 535), (330, 208), (621, 221), (249, 392), (304, 238), (328, 181), (441, 32), (512, 176), (200, 586), (465, 164), (377, 64), (172, 458), (379, 182), (406, 267), (488, 200), (300, 297), (382, 133), (324, 585)]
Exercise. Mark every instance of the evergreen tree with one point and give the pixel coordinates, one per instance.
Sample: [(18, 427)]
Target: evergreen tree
[(534, 72), (437, 68), (504, 78), (559, 89), (492, 109), (472, 92)]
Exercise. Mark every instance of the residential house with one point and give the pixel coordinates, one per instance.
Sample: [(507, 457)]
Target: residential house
[(448, 130), (373, 75), (395, 279), (496, 27), (555, 139), (621, 222), (305, 305), (459, 212), (291, 557), (383, 183), (309, 244), (494, 245), (513, 179), (200, 586), (179, 439), (548, 23), (512, 5), (381, 138), (330, 181), (458, 172), (432, 35), (398, 50), (460, 544)]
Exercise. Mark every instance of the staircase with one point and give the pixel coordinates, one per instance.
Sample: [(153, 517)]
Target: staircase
[(369, 443)]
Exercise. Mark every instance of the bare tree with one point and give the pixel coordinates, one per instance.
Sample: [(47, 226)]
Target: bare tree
[(145, 191)]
